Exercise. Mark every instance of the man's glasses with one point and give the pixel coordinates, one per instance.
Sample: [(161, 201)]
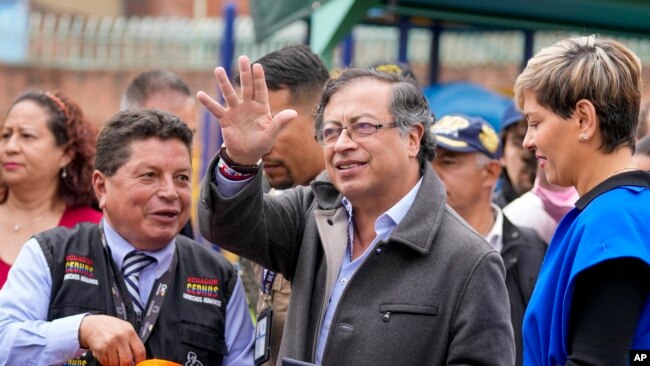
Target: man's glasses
[(328, 136)]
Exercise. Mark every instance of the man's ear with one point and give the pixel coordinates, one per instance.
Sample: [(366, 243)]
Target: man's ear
[(415, 138), (587, 119), (492, 171), (99, 181)]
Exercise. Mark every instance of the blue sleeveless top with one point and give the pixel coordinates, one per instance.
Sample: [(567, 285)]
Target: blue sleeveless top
[(608, 223)]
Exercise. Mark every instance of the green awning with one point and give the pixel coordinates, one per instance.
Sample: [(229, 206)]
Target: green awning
[(272, 15), (333, 19)]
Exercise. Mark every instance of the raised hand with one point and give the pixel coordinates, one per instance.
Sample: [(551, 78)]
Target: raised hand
[(112, 341), (247, 126)]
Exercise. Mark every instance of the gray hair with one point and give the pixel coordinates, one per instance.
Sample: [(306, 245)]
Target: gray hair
[(643, 146), (408, 106), (482, 160), (642, 128)]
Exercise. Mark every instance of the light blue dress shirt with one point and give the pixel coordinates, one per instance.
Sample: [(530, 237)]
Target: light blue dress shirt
[(384, 225), (383, 228), (27, 338), (148, 276)]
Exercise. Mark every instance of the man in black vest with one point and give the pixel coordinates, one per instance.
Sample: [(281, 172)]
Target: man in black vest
[(129, 288)]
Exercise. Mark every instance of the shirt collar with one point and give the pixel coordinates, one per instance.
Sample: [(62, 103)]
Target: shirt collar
[(120, 248), (495, 236), (395, 214)]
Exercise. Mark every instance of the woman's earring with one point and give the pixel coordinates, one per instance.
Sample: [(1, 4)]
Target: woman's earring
[(64, 174), (583, 137)]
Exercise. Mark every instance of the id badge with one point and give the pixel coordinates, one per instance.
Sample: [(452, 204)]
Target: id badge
[(263, 336)]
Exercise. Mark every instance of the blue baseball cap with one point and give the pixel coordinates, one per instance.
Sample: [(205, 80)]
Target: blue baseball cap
[(466, 134), (510, 117)]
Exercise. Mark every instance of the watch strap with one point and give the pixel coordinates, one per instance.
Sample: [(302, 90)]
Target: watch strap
[(239, 168)]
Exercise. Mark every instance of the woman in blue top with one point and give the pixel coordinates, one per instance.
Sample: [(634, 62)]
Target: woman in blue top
[(581, 98)]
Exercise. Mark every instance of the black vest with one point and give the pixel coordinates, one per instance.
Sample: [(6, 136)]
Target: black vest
[(192, 321)]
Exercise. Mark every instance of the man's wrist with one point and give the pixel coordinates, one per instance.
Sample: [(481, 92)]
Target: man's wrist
[(230, 174), (243, 169), (81, 338)]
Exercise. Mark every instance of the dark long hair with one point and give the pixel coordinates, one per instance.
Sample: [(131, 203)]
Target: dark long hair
[(71, 129)]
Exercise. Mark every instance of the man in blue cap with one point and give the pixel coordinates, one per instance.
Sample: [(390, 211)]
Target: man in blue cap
[(519, 165), (467, 162)]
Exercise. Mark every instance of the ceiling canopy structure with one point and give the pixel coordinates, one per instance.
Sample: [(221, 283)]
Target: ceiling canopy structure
[(331, 20)]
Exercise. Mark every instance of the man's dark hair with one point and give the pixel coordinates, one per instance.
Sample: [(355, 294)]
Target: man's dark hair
[(114, 141), (408, 106), (295, 68), (643, 146), (149, 83)]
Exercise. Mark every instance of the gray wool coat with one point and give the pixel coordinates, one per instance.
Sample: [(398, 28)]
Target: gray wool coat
[(433, 294)]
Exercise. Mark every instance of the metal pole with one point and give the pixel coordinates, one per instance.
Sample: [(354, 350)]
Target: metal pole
[(347, 54), (434, 67), (529, 40), (404, 27)]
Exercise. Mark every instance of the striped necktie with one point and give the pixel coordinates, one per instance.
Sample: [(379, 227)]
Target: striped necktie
[(134, 262)]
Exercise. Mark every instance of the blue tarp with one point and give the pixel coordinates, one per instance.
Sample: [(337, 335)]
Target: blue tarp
[(14, 34), (467, 98)]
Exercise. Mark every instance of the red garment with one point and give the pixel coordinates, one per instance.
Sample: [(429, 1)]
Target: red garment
[(4, 271), (71, 217)]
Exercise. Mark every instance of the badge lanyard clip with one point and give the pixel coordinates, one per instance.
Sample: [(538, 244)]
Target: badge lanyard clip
[(264, 319)]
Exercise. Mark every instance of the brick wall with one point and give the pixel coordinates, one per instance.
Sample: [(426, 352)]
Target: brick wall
[(176, 8), (179, 8), (99, 92)]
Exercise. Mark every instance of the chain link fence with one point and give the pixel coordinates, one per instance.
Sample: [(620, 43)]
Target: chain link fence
[(93, 42)]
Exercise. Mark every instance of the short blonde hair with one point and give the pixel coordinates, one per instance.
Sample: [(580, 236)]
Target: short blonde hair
[(600, 70)]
